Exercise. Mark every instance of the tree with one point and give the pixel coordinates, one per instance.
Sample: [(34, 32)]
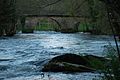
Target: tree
[(113, 9), (7, 17)]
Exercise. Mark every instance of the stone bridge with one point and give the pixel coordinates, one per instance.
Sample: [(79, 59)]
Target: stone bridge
[(44, 8), (66, 23), (36, 9)]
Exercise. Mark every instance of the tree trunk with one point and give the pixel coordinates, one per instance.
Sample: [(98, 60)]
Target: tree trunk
[(1, 31), (117, 29), (7, 17), (11, 30)]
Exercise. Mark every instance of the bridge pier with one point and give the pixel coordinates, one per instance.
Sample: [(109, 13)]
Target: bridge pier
[(26, 27), (1, 31)]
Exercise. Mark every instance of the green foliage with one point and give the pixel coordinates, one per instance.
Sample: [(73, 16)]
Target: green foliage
[(112, 70), (83, 27), (94, 12), (97, 64), (98, 18), (46, 25)]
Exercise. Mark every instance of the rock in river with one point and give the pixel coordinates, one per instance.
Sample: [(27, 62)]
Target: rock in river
[(71, 63)]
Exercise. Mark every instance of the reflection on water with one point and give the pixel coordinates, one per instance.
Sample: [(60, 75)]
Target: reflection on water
[(22, 56)]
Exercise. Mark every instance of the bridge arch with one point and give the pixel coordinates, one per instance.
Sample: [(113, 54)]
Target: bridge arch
[(64, 23)]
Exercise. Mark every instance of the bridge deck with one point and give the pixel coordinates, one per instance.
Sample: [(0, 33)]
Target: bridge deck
[(32, 15)]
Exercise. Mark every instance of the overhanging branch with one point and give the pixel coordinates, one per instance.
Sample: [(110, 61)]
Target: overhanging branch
[(50, 4)]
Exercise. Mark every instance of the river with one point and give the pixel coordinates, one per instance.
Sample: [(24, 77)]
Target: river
[(23, 56)]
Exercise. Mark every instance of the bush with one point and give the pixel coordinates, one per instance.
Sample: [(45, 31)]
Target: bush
[(112, 70)]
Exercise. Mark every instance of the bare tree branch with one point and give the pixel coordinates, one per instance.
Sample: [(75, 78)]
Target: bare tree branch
[(56, 21), (80, 5), (77, 10), (50, 4)]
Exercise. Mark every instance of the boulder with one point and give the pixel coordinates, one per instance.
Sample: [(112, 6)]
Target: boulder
[(66, 67), (72, 63), (70, 58)]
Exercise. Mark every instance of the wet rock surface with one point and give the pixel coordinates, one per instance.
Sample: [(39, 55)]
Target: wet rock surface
[(71, 63), (66, 67)]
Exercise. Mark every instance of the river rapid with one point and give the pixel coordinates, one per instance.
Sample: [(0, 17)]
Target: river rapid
[(23, 56)]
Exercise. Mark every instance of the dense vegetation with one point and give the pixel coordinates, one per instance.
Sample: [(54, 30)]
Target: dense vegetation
[(7, 17)]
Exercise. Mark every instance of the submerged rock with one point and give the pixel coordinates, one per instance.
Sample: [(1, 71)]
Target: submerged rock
[(3, 67), (71, 63)]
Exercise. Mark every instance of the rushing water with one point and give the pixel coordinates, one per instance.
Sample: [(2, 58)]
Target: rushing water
[(22, 56)]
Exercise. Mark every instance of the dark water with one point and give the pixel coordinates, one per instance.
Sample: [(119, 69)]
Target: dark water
[(22, 56)]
